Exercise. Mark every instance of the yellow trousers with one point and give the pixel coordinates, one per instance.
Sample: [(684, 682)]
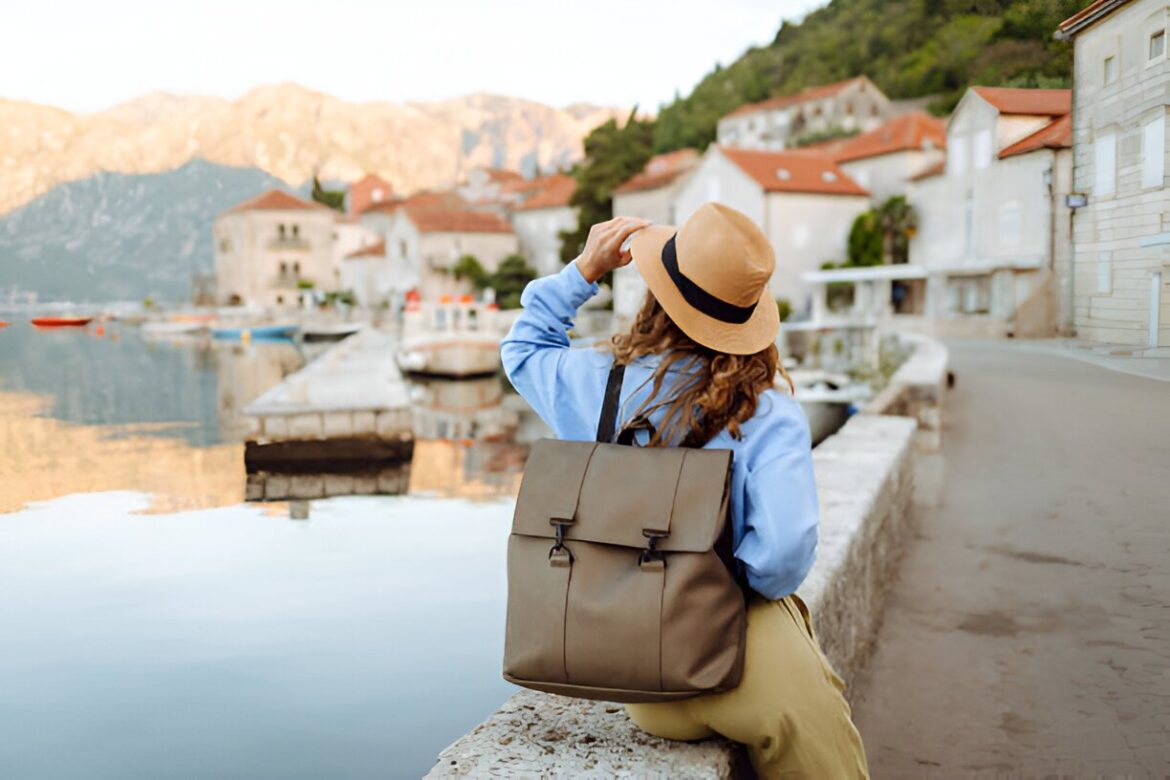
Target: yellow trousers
[(788, 709)]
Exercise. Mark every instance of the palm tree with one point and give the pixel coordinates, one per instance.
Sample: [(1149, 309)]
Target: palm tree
[(898, 222)]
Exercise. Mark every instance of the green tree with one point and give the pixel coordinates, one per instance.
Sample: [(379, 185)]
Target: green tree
[(334, 199), (612, 155), (510, 279), (897, 221), (467, 267), (865, 240)]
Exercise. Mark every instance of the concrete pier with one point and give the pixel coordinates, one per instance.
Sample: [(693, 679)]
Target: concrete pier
[(350, 404)]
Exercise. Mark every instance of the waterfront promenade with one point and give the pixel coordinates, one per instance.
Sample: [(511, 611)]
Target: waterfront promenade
[(1029, 633)]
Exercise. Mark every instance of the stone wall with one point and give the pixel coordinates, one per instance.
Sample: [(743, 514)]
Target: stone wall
[(865, 482), (916, 390)]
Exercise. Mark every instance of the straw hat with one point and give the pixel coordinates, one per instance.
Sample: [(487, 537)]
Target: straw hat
[(711, 276)]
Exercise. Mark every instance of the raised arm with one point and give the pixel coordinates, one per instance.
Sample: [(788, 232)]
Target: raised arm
[(781, 512), (536, 354)]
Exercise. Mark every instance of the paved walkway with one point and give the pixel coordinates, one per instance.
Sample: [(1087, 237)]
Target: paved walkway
[(1029, 632)]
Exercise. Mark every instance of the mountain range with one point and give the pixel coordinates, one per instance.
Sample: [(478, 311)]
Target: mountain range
[(288, 132)]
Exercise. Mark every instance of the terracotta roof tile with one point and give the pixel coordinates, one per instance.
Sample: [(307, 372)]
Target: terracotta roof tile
[(1057, 134), (377, 249), (442, 199), (906, 132), (554, 193), (660, 170), (794, 172), (276, 200), (811, 93), (502, 175), (1039, 102), (429, 220), (1089, 14)]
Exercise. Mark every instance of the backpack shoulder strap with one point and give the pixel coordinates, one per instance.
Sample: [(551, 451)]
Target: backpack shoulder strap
[(609, 405)]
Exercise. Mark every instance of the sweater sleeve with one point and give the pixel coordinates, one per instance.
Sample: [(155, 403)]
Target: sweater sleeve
[(536, 354)]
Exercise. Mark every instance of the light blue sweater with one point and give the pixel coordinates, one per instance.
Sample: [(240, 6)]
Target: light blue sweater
[(773, 494)]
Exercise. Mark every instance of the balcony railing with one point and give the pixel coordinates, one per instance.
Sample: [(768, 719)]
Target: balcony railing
[(295, 243)]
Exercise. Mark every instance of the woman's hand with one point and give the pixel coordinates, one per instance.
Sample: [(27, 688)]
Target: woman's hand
[(602, 252)]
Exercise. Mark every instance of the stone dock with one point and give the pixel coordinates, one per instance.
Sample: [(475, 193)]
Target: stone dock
[(348, 409), (865, 481)]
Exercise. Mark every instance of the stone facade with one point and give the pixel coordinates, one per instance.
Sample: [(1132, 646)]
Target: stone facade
[(1122, 236)]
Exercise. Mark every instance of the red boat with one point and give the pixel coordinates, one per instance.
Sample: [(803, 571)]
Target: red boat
[(3, 324), (61, 322)]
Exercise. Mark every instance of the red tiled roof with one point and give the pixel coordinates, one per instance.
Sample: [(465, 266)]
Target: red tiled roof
[(502, 175), (1089, 14), (905, 132), (276, 200), (377, 249), (1057, 134), (660, 170), (811, 93), (794, 172), (937, 169), (523, 186), (443, 199), (1038, 102), (460, 221), (555, 193), (372, 180)]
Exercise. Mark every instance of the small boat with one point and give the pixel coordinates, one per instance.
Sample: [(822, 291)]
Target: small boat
[(61, 322), (450, 339), (335, 332), (171, 328), (255, 333), (3, 324)]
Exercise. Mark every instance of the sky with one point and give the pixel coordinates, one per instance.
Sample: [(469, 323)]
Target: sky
[(86, 56)]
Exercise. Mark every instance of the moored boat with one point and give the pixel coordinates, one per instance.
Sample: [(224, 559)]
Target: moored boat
[(451, 338), (334, 332), (254, 332), (61, 322)]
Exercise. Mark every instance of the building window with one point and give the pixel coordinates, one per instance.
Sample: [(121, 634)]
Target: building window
[(1010, 224), (1110, 70), (225, 245), (296, 231), (376, 196), (280, 230), (969, 225), (297, 268), (402, 248), (982, 149), (1154, 152), (283, 268), (1157, 45), (957, 156), (1105, 164)]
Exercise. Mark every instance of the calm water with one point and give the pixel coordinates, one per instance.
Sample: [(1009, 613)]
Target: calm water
[(156, 625)]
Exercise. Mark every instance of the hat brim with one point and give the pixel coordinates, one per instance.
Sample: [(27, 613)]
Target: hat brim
[(746, 338)]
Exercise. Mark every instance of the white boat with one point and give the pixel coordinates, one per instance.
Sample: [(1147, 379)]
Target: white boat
[(451, 338)]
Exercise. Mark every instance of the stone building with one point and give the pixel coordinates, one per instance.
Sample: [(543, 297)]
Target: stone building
[(539, 219), (804, 202), (1121, 235), (993, 232), (886, 159), (650, 195), (852, 105), (271, 248)]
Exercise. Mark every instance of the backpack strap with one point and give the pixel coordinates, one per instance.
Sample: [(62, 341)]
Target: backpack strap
[(607, 423)]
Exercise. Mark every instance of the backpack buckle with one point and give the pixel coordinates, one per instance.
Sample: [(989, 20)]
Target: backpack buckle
[(558, 554), (652, 559)]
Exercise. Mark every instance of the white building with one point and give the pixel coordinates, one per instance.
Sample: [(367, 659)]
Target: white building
[(540, 218), (851, 105), (886, 159), (271, 248), (650, 195), (804, 203), (419, 247), (993, 225), (1122, 236)]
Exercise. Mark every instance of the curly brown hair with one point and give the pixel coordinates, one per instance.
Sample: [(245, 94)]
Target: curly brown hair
[(721, 390)]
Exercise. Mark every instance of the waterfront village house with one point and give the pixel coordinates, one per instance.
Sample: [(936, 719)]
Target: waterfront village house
[(803, 201), (851, 105), (1121, 237), (370, 190), (419, 245), (540, 218), (993, 235), (886, 159), (488, 188), (649, 194), (266, 247)]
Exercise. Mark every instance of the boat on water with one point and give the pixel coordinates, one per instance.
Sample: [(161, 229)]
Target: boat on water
[(453, 338), (334, 332), (254, 332), (3, 323), (61, 322)]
